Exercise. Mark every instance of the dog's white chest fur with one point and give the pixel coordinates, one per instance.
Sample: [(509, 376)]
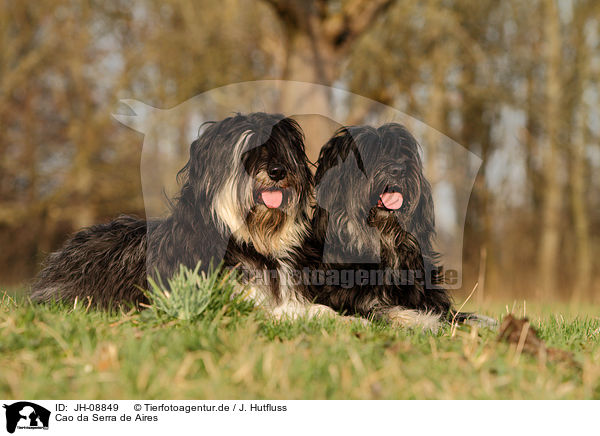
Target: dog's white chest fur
[(290, 304)]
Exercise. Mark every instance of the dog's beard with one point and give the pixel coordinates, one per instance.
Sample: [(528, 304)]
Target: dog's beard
[(274, 222), (392, 225), (392, 229), (271, 230)]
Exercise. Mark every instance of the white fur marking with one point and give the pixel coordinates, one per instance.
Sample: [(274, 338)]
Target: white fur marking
[(414, 318)]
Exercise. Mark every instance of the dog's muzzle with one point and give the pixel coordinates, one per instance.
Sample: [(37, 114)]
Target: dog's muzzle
[(391, 198)]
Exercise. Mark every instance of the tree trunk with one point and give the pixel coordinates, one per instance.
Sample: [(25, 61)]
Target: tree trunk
[(583, 258), (319, 37), (436, 112), (552, 199), (579, 210), (309, 60), (475, 136)]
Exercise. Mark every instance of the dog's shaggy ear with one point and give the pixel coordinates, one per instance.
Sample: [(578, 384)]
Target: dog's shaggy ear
[(212, 149), (201, 149), (423, 221), (329, 157), (335, 191), (197, 163), (339, 146)]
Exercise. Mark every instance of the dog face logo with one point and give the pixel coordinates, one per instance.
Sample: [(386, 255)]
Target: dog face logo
[(249, 200), (26, 415)]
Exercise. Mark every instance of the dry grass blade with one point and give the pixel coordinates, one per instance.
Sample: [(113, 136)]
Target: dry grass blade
[(454, 324), (56, 336), (7, 300), (87, 308), (522, 339)]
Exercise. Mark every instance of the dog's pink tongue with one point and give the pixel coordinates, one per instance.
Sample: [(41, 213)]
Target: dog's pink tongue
[(392, 200), (272, 199)]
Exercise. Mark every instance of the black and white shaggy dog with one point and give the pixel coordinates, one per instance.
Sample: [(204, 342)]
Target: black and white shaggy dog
[(245, 198), (373, 229)]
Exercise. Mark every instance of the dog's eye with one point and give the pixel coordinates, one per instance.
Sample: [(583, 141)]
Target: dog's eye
[(396, 172)]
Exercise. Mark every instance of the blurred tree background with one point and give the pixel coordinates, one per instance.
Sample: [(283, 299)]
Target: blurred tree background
[(515, 81)]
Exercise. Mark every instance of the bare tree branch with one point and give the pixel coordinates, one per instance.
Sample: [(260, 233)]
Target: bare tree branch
[(355, 19)]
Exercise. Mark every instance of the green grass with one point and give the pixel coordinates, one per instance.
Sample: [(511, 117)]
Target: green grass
[(231, 352)]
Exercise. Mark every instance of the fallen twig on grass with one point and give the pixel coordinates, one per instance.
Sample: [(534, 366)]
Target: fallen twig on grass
[(525, 337)]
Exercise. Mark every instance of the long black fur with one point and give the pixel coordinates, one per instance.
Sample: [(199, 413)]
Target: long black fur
[(354, 168), (110, 262)]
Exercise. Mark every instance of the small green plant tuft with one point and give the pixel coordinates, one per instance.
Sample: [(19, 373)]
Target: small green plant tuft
[(192, 295)]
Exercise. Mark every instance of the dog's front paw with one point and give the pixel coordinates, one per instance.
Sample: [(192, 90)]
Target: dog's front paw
[(412, 318), (481, 321)]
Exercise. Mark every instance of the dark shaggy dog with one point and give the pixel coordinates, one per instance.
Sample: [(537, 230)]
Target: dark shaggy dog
[(373, 229), (245, 198)]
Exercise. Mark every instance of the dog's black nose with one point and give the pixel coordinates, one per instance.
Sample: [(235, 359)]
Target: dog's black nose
[(276, 172)]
